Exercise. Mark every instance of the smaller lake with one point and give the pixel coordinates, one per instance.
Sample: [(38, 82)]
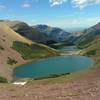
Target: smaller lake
[(69, 48), (52, 66)]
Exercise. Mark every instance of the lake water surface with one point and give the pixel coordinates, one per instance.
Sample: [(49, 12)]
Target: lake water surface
[(68, 48), (52, 66)]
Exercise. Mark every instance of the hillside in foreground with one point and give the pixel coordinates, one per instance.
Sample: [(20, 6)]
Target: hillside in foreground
[(16, 50), (76, 86)]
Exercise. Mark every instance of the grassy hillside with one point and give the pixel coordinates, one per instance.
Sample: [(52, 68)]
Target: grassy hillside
[(89, 35), (92, 49), (16, 50), (32, 51)]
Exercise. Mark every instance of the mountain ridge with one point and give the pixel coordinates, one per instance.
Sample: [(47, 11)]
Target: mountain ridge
[(56, 34), (89, 34), (41, 33)]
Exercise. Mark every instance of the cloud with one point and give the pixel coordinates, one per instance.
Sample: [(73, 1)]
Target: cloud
[(56, 2), (26, 4), (75, 3), (83, 3), (75, 23), (2, 7)]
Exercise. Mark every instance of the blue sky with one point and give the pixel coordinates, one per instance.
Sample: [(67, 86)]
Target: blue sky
[(59, 13)]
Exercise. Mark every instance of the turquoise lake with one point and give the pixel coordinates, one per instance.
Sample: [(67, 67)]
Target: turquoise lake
[(52, 66)]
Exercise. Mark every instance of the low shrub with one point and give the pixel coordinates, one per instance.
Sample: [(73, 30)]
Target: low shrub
[(3, 80), (11, 61)]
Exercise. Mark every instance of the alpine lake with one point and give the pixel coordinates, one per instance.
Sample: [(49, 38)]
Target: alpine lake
[(52, 66)]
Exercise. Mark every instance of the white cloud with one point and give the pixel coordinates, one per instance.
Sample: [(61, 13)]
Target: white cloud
[(75, 3), (83, 3), (26, 4), (2, 7), (81, 22), (56, 2)]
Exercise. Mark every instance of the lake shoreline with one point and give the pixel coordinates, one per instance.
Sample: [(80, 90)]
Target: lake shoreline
[(67, 86), (25, 63), (78, 53), (52, 75)]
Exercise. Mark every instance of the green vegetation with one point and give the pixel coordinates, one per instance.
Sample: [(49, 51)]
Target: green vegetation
[(1, 20), (51, 76), (91, 53), (3, 80), (11, 61), (58, 45), (3, 40), (1, 48), (61, 79), (31, 51), (85, 43)]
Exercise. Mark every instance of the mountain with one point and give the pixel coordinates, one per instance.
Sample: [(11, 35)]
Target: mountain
[(92, 49), (16, 50), (41, 33), (89, 34), (27, 31), (54, 33)]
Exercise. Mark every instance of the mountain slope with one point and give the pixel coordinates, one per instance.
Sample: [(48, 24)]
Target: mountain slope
[(89, 34), (26, 31), (54, 33), (11, 54), (41, 33), (92, 48)]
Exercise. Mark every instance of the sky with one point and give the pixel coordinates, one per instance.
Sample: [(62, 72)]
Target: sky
[(58, 13)]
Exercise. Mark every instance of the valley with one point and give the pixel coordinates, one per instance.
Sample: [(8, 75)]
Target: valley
[(49, 49), (17, 48)]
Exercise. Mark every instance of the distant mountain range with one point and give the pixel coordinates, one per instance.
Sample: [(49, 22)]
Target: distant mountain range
[(49, 35), (41, 33), (54, 33)]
